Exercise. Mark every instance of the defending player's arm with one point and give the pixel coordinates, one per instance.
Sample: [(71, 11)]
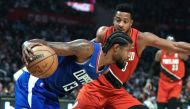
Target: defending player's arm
[(149, 84), (81, 48), (157, 56), (150, 39), (100, 34), (184, 57)]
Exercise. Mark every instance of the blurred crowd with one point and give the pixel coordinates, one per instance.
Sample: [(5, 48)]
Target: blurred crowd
[(14, 32)]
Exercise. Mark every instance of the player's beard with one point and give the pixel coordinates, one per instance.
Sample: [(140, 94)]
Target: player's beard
[(120, 63)]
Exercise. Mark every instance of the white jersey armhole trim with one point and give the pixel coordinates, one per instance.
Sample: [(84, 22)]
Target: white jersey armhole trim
[(19, 72), (115, 76), (31, 83)]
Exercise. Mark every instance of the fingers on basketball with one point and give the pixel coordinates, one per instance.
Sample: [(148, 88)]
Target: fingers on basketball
[(44, 62)]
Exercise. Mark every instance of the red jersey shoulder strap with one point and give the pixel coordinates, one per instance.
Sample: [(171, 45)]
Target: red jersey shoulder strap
[(134, 35), (108, 32)]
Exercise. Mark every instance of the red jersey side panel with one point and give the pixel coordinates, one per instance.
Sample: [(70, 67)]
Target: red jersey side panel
[(172, 66), (124, 74)]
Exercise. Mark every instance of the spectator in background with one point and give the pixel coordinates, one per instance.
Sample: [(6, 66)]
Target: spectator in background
[(171, 74)]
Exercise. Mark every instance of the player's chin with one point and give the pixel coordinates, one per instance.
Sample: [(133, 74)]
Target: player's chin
[(125, 31), (123, 63), (125, 60), (122, 30)]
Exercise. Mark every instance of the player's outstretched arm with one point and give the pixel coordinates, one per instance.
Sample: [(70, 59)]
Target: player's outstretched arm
[(80, 48), (184, 57), (157, 56), (149, 85), (150, 39)]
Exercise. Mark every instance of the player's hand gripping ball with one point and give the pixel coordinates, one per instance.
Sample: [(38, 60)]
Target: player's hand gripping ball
[(43, 63)]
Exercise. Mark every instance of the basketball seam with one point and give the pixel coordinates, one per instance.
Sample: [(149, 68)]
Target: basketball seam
[(47, 69), (43, 59), (50, 67)]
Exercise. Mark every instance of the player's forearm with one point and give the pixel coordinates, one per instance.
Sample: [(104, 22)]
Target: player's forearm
[(79, 48), (184, 47), (59, 47)]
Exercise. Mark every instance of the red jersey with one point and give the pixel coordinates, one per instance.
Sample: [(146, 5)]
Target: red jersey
[(172, 67), (124, 74)]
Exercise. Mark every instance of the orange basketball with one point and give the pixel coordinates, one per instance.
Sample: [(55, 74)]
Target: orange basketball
[(44, 62)]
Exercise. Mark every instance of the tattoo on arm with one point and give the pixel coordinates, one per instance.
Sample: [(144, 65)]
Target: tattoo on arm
[(80, 48)]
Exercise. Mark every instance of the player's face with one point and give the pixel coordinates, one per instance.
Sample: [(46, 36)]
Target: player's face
[(122, 21), (122, 55)]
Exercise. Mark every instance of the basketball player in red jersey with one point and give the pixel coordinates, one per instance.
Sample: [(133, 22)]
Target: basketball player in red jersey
[(171, 74), (107, 91)]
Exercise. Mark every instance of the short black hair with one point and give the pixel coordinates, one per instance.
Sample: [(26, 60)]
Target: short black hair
[(125, 8), (117, 37)]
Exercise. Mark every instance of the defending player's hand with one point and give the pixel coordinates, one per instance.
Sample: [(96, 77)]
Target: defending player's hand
[(27, 53), (148, 86)]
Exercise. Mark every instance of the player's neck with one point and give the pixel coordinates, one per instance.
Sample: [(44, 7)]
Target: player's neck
[(105, 59)]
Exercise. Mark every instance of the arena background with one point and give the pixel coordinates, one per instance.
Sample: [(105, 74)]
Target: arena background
[(64, 20)]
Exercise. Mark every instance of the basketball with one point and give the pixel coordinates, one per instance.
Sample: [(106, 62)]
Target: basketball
[(44, 62)]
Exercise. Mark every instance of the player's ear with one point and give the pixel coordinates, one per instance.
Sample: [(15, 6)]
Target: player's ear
[(114, 19), (131, 22), (116, 47)]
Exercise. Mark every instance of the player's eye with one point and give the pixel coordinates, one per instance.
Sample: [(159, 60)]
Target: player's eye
[(117, 20), (126, 21)]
